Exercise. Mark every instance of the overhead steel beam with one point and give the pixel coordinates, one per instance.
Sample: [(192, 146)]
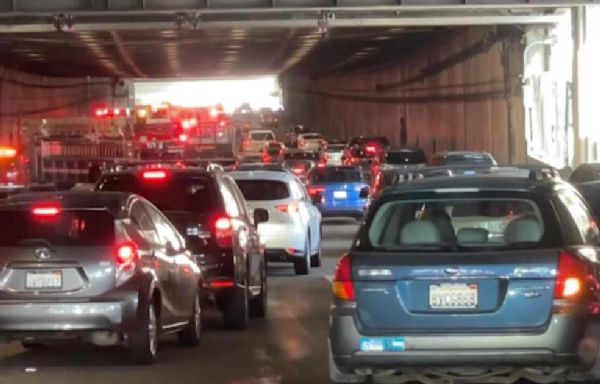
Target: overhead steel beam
[(291, 23), (262, 6)]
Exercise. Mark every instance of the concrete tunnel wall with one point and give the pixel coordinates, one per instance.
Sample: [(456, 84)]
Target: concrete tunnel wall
[(24, 96), (451, 93)]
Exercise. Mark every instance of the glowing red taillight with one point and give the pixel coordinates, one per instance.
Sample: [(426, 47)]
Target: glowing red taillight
[(288, 208), (46, 210), (154, 175), (298, 170), (343, 286), (571, 276), (371, 149), (224, 232), (8, 152), (126, 253)]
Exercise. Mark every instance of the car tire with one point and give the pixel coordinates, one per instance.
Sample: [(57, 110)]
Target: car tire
[(190, 336), (143, 343), (315, 260), (236, 313), (338, 377), (302, 266), (258, 304)]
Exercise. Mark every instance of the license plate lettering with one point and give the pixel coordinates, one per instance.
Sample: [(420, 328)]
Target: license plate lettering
[(340, 194), (43, 280), (453, 296)]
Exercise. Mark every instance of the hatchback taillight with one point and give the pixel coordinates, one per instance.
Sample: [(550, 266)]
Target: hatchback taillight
[(126, 253), (343, 286), (571, 277), (223, 228)]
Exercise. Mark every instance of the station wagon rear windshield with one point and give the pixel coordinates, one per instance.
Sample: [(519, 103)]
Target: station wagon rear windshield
[(468, 158), (69, 228), (262, 190), (453, 224), (312, 136)]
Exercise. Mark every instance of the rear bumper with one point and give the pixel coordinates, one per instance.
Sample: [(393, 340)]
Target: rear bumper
[(282, 255), (559, 345), (68, 317), (282, 236), (347, 211)]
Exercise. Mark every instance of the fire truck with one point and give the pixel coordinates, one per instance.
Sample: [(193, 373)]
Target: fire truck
[(167, 131), (76, 149)]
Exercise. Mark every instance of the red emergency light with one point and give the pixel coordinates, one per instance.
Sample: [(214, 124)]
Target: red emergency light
[(8, 152)]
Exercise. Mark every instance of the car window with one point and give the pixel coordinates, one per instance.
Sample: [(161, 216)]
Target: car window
[(263, 190), (142, 220), (297, 193), (405, 157), (577, 213), (336, 175), (262, 136), (238, 196), (448, 224), (312, 136), (231, 205), (167, 234), (70, 228)]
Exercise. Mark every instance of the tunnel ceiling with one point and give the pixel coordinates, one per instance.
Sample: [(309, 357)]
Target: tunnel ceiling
[(78, 38), (212, 52)]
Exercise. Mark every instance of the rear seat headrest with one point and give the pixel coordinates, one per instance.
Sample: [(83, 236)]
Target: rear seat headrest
[(472, 235), (420, 232), (523, 230)]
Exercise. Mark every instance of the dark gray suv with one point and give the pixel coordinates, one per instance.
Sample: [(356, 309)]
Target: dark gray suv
[(104, 267)]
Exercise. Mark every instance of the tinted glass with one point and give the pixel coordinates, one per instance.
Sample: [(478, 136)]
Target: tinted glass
[(467, 158), (336, 175), (262, 136), (406, 157), (176, 193), (70, 228), (259, 190), (302, 156), (312, 137), (458, 224)]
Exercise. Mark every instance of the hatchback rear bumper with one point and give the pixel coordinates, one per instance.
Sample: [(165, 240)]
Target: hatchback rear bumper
[(558, 345), (68, 317)]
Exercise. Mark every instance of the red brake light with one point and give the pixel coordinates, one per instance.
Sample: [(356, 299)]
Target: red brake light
[(183, 138), (313, 191), (321, 164), (571, 276), (288, 208), (46, 209), (126, 253), (371, 149), (154, 175), (224, 232), (343, 286), (8, 152), (186, 124), (222, 284), (298, 169)]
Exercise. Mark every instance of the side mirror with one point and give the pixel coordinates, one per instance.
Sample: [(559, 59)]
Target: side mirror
[(260, 216), (364, 193)]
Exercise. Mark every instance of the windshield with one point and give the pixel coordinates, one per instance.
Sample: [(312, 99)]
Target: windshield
[(449, 223), (262, 136), (336, 175), (312, 136), (405, 157), (70, 228), (263, 190), (191, 194)]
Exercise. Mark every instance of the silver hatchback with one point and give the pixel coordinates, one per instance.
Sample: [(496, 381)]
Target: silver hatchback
[(102, 267)]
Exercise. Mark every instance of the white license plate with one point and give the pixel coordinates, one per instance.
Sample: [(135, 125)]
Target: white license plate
[(43, 280), (453, 296), (340, 194)]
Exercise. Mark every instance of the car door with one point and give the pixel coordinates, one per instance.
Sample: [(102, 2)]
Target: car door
[(181, 267), (157, 261), (312, 216), (253, 239)]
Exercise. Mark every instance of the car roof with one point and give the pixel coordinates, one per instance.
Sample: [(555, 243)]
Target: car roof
[(263, 175), (481, 182), (111, 201), (260, 131)]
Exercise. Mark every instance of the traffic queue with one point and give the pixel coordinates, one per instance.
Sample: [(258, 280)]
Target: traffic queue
[(468, 247)]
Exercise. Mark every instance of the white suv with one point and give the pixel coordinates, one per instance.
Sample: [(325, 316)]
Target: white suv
[(311, 142), (257, 140), (293, 232)]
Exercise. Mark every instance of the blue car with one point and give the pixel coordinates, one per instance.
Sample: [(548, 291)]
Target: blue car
[(340, 191), (477, 278)]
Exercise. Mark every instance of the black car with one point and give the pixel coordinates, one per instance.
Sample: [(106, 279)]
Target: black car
[(108, 268), (209, 210), (585, 173)]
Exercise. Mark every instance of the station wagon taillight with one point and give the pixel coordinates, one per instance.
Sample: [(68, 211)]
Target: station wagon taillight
[(571, 276), (224, 232), (343, 286)]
